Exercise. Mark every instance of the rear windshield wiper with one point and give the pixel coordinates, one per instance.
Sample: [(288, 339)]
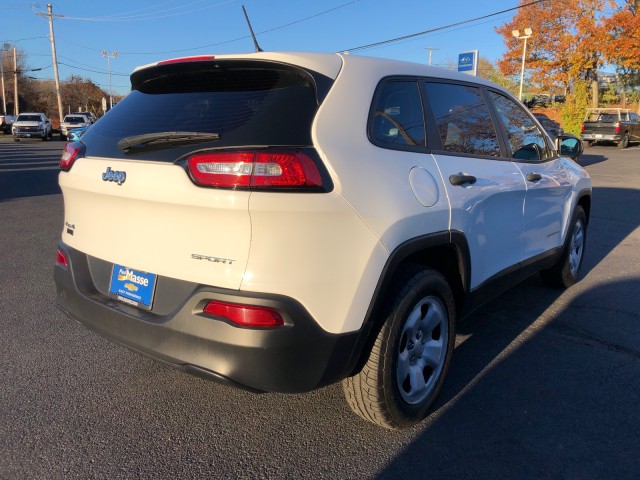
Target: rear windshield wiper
[(159, 138)]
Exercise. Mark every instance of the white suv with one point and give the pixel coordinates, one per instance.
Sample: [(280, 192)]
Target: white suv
[(73, 121), (282, 221), (31, 125)]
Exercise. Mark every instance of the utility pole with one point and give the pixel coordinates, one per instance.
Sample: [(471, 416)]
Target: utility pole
[(430, 52), (109, 56), (4, 101), (15, 82), (53, 54)]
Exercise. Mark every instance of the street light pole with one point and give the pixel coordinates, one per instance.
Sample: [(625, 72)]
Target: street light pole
[(109, 56), (527, 34)]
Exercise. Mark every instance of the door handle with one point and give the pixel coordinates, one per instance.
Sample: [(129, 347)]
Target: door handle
[(534, 177), (461, 179)]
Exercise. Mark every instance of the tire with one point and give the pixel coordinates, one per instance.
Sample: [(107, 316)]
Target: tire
[(45, 137), (566, 271), (408, 362), (16, 139), (63, 137), (624, 141)]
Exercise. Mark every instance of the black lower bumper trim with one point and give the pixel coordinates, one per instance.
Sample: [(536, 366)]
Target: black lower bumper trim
[(297, 357)]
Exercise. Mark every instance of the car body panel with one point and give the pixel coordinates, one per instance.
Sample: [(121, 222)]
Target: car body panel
[(547, 206), (180, 231)]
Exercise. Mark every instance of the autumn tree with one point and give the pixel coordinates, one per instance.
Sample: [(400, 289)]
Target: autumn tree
[(9, 85), (566, 43), (623, 47), (488, 70), (81, 94)]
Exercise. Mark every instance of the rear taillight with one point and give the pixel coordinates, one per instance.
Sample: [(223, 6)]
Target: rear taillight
[(244, 315), (72, 151), (582, 128), (255, 170), (61, 258), (616, 128)]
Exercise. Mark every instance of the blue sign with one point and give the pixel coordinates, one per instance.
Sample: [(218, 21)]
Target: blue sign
[(133, 287), (468, 62)]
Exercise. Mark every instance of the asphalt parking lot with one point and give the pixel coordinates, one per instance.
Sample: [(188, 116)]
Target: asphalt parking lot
[(543, 384)]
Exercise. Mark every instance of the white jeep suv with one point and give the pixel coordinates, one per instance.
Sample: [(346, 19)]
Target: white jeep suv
[(283, 221)]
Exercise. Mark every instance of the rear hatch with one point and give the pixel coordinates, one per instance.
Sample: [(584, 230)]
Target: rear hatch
[(131, 197)]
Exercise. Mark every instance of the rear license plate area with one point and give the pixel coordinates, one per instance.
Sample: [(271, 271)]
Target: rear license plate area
[(132, 287)]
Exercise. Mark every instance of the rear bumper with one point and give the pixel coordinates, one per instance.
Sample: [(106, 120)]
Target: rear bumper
[(296, 357), (597, 137)]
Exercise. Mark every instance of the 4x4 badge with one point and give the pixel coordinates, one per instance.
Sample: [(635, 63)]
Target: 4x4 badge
[(114, 176)]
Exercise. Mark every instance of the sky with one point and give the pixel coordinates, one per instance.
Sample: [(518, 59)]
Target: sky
[(146, 31)]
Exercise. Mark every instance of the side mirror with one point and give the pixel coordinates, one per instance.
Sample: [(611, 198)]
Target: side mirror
[(569, 145)]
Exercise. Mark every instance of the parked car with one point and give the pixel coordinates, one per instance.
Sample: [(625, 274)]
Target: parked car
[(75, 134), (73, 121), (283, 221), (539, 101), (551, 127), (559, 98), (616, 125), (31, 125), (90, 115), (6, 122)]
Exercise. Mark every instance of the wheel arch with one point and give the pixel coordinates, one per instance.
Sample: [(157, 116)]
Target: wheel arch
[(447, 252), (584, 200)]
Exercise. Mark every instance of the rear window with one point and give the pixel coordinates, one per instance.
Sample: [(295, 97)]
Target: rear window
[(29, 118), (68, 119), (245, 103)]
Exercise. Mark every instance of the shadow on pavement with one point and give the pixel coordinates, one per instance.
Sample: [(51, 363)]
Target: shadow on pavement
[(29, 169), (589, 158), (562, 404), (555, 399)]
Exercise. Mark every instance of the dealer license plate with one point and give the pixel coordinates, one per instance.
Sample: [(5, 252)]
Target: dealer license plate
[(133, 286)]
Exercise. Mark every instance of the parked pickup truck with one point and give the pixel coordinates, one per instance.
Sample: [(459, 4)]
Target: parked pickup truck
[(615, 125), (6, 121)]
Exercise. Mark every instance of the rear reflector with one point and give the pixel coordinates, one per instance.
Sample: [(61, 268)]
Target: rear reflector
[(61, 258), (72, 151), (245, 315), (255, 170), (202, 58)]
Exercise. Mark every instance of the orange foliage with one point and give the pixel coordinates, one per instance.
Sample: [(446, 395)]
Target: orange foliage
[(567, 40), (623, 47)]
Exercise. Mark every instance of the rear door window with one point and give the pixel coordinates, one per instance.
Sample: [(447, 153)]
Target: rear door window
[(463, 120)]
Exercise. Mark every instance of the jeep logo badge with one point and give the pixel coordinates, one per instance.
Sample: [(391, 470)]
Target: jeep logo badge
[(114, 176)]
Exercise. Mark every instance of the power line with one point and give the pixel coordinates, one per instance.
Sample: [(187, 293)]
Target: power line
[(91, 66), (224, 42), (24, 39), (405, 37), (150, 16), (93, 71), (151, 7)]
